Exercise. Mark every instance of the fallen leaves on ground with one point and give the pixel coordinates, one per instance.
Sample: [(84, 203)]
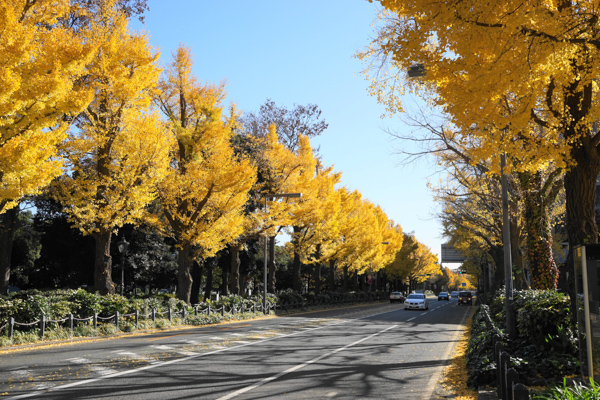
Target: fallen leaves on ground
[(454, 376)]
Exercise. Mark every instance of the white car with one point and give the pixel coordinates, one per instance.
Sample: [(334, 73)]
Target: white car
[(417, 301), (396, 296)]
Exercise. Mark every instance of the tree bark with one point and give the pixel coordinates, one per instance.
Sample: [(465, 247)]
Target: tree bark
[(196, 282), (8, 222), (103, 282), (271, 267), (297, 269), (234, 287), (318, 272), (497, 254), (544, 273), (224, 264), (332, 267), (184, 273), (580, 189), (210, 270)]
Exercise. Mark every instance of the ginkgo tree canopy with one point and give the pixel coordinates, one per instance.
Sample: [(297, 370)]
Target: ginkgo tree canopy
[(42, 64)]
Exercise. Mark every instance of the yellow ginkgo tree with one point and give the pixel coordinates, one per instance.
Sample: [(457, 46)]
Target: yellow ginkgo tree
[(525, 70), (119, 151), (41, 85), (203, 194)]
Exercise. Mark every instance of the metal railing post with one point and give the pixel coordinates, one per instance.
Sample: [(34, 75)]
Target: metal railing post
[(520, 392), (42, 326), (11, 328)]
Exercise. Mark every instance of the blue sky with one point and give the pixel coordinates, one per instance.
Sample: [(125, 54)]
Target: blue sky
[(300, 52)]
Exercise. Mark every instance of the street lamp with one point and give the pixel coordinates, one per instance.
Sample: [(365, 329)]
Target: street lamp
[(267, 196), (123, 245), (419, 70)]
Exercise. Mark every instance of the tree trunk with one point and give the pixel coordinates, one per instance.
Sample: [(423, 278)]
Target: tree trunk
[(8, 221), (332, 267), (103, 282), (196, 282), (210, 270), (497, 254), (544, 273), (297, 268), (345, 279), (318, 278), (516, 255), (271, 266), (580, 188), (234, 287), (224, 265), (184, 274), (318, 271)]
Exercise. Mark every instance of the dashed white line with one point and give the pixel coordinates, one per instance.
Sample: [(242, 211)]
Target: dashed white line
[(162, 347), (297, 367)]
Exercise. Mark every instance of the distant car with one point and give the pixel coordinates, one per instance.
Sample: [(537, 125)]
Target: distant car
[(417, 301), (454, 294), (465, 298), (443, 296), (396, 296)]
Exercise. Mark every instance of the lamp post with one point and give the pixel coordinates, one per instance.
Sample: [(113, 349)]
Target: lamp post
[(123, 245), (267, 196), (417, 71)]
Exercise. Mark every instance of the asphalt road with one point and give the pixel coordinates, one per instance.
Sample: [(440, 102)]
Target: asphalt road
[(367, 352)]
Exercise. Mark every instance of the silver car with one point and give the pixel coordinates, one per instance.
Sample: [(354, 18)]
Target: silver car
[(417, 301)]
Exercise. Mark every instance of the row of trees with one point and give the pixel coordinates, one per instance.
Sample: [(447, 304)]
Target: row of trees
[(91, 120), (514, 78)]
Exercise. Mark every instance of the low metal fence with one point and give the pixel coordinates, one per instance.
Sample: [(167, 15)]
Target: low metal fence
[(117, 318), (508, 382)]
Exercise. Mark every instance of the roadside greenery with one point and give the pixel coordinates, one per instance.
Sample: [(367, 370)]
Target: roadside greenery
[(545, 348), (574, 391), (29, 306)]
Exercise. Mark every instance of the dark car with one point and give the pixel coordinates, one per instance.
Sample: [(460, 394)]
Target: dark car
[(465, 298), (443, 296)]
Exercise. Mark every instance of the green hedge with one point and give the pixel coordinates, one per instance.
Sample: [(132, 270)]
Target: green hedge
[(545, 347)]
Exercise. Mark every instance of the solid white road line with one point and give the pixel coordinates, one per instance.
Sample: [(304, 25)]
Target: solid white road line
[(297, 367), (157, 364)]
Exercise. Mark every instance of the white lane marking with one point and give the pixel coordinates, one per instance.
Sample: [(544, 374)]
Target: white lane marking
[(43, 386), (96, 368), (410, 319), (162, 347), (21, 371), (238, 334), (187, 353), (216, 338), (193, 342), (242, 341), (134, 355), (297, 367), (163, 363)]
